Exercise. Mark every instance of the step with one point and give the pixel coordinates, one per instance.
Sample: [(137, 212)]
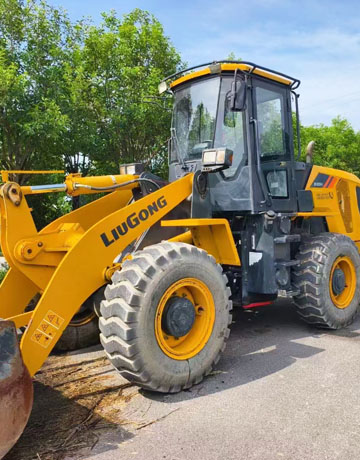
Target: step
[(287, 294)]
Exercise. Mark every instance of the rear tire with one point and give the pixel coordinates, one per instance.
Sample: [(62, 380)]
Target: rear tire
[(78, 336), (320, 301), (83, 329), (130, 332)]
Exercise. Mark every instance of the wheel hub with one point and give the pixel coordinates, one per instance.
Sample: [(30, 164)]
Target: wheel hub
[(338, 281), (178, 317)]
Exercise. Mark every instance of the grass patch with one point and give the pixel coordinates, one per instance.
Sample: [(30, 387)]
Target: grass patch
[(3, 272)]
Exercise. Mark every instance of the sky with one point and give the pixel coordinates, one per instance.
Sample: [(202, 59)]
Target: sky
[(316, 41)]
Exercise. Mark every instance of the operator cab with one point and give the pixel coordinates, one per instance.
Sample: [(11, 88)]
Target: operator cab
[(257, 130)]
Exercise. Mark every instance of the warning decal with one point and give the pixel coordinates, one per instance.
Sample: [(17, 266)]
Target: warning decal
[(54, 319), (47, 329), (41, 339)]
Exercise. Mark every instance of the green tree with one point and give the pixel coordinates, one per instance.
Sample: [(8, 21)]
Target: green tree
[(37, 43), (79, 96), (336, 146), (232, 57), (125, 59)]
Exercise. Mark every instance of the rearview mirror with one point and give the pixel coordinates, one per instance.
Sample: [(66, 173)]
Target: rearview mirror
[(238, 94)]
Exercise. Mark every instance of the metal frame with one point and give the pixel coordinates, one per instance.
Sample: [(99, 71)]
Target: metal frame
[(295, 82), (74, 256)]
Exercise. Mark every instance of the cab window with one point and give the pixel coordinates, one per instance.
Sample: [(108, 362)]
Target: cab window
[(270, 115), (230, 130)]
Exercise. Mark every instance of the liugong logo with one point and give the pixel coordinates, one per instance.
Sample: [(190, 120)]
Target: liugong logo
[(132, 221)]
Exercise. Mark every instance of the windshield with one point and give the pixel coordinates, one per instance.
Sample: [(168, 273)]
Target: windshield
[(194, 118), (201, 121), (230, 129)]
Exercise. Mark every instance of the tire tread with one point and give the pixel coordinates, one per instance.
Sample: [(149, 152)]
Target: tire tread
[(121, 308)]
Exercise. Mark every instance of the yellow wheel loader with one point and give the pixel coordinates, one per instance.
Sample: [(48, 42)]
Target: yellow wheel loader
[(240, 222)]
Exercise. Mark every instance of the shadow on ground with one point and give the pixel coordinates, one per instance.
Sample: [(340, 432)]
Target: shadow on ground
[(262, 342), (79, 398)]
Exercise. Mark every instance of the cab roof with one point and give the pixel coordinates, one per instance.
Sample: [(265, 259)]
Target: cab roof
[(230, 66)]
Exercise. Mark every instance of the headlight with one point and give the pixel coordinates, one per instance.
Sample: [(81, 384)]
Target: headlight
[(216, 159), (134, 169), (209, 157), (220, 157)]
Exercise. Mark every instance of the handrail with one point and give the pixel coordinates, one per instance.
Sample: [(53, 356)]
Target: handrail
[(295, 82)]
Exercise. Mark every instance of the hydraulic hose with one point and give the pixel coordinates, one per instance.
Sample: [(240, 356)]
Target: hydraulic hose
[(116, 186)]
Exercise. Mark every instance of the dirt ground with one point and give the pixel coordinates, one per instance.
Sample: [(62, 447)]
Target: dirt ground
[(79, 397), (73, 403)]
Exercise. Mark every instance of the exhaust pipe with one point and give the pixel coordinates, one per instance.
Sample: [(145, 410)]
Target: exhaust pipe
[(16, 389)]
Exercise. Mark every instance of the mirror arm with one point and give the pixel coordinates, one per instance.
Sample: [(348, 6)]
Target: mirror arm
[(233, 92)]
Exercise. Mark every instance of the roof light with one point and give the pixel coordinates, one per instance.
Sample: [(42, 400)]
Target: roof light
[(163, 87), (215, 68)]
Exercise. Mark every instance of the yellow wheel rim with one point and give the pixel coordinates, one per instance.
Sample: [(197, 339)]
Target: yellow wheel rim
[(82, 320), (194, 341), (343, 299)]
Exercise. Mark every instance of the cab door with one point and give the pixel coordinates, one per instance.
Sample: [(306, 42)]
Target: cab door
[(272, 114)]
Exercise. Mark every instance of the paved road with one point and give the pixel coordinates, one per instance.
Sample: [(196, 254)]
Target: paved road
[(281, 391)]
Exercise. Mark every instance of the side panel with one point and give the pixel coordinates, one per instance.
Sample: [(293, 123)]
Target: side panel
[(213, 235), (335, 197)]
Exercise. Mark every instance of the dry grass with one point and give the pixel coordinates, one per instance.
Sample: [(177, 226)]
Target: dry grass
[(74, 402)]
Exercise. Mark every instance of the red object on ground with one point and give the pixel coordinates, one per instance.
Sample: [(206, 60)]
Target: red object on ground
[(256, 304)]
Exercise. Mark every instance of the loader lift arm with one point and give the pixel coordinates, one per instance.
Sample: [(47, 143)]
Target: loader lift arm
[(56, 261)]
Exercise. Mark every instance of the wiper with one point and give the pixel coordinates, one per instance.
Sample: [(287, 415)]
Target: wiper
[(178, 150)]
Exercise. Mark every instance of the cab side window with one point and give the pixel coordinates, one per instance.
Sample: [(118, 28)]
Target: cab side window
[(270, 115)]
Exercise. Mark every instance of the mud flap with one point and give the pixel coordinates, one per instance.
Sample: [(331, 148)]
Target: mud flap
[(16, 389)]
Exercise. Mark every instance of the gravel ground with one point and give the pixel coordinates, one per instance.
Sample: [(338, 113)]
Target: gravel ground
[(282, 390)]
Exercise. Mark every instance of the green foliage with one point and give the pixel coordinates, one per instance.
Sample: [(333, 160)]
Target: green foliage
[(270, 127), (203, 125), (129, 56), (3, 272), (336, 146), (47, 210), (232, 57), (36, 43), (80, 97)]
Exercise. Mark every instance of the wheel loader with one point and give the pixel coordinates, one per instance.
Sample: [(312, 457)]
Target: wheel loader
[(160, 264)]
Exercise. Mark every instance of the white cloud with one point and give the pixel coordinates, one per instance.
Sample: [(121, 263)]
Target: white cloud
[(325, 60)]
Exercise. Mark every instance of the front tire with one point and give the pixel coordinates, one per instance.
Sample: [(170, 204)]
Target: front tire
[(165, 289), (328, 280)]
